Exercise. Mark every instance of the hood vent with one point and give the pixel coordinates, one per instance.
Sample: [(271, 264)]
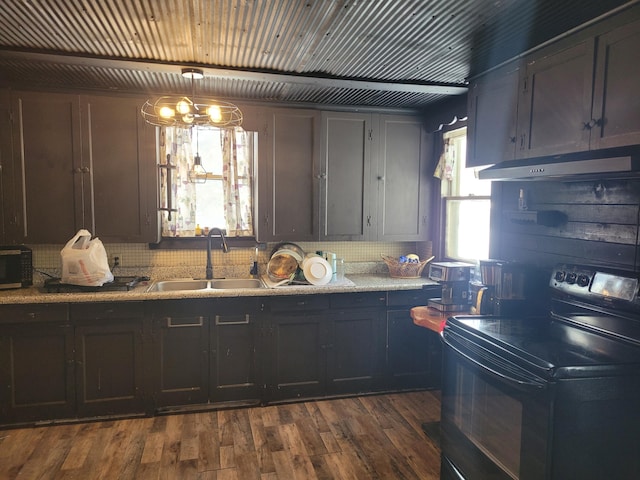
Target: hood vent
[(565, 169)]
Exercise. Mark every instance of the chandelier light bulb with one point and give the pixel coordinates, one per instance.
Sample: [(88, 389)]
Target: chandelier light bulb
[(183, 106), (214, 113), (167, 112), (188, 118)]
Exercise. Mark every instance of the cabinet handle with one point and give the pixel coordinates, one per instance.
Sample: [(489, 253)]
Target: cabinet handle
[(512, 139), (321, 176), (171, 324), (221, 321)]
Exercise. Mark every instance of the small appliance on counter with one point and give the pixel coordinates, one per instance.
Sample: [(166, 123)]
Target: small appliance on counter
[(507, 288), (454, 278), (16, 267)]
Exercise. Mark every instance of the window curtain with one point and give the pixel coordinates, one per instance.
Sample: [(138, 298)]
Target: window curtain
[(236, 182), (237, 163), (176, 144)]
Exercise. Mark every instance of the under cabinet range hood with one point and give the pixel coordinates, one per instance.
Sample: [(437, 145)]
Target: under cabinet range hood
[(566, 168)]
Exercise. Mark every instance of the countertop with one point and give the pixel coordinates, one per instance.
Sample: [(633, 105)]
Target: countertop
[(359, 283)]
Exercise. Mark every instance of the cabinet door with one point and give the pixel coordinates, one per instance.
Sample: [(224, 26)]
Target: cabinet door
[(122, 170), (234, 353), (36, 372), (181, 353), (345, 173), (297, 354), (8, 210), (409, 359), (110, 367), (556, 103), (47, 141), (492, 109), (287, 207), (355, 354), (616, 103), (401, 180)]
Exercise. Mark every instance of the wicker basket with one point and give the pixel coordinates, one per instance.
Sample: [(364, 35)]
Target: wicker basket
[(404, 270)]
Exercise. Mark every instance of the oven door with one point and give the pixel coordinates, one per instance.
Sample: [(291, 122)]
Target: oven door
[(495, 415)]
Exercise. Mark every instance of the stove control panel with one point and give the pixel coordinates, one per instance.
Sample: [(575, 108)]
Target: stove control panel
[(589, 282)]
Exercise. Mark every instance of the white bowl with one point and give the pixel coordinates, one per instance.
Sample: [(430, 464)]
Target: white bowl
[(317, 270)]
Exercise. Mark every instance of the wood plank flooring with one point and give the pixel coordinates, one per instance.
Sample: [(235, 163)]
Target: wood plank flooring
[(368, 437)]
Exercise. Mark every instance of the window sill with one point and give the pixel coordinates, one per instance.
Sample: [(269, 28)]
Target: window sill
[(200, 243)]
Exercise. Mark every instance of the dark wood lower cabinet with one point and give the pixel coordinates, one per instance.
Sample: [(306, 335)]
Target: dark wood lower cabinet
[(413, 352), (89, 360), (180, 344), (205, 351), (37, 375), (109, 355), (327, 345), (297, 356), (236, 351)]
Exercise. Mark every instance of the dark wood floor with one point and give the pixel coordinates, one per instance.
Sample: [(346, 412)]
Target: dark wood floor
[(369, 437)]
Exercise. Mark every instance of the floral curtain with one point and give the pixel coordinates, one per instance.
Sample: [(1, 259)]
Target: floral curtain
[(236, 176), (176, 159)]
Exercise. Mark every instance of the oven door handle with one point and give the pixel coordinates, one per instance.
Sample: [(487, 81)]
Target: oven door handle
[(522, 381)]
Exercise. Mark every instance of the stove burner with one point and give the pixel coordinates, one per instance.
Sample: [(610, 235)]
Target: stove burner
[(119, 284)]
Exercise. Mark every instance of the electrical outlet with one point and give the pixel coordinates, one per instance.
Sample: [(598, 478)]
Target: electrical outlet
[(116, 260)]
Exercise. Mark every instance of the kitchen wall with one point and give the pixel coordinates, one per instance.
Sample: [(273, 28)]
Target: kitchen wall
[(596, 222), (139, 259)]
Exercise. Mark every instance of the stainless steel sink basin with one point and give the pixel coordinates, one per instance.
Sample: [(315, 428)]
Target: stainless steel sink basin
[(191, 285), (236, 283), (178, 285)]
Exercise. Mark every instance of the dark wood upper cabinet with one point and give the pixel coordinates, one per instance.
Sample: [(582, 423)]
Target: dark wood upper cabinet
[(577, 95), (123, 170), (492, 113), (616, 102), (48, 145), (84, 162), (555, 106)]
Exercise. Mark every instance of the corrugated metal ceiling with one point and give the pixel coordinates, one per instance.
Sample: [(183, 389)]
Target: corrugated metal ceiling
[(386, 53)]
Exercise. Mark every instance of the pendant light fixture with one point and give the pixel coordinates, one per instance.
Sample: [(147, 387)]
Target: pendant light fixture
[(184, 111), (197, 174)]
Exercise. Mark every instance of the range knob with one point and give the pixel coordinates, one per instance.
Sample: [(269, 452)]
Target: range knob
[(571, 278), (559, 276), (583, 280)]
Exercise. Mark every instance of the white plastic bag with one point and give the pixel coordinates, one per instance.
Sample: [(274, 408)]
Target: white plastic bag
[(85, 262)]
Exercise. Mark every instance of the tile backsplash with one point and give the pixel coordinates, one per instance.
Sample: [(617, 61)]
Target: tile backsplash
[(139, 259)]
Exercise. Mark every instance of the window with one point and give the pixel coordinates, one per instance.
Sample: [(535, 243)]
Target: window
[(206, 176), (467, 202)]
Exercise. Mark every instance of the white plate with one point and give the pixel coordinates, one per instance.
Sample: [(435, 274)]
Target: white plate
[(317, 270)]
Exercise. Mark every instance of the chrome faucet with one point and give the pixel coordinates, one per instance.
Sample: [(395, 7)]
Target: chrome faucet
[(225, 249)]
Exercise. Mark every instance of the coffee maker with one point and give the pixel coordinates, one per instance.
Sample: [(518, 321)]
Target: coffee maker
[(507, 288), (454, 278)]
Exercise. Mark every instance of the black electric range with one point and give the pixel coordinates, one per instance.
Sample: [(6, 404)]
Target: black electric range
[(550, 396)]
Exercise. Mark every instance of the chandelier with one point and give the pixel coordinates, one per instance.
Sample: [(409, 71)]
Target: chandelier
[(184, 112)]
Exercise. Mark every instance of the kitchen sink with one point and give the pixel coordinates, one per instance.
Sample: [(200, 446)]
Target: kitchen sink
[(191, 285), (178, 285), (236, 283)]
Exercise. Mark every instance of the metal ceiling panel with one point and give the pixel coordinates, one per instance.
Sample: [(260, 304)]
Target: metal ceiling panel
[(408, 42)]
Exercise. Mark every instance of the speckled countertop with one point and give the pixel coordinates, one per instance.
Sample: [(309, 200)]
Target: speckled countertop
[(356, 283)]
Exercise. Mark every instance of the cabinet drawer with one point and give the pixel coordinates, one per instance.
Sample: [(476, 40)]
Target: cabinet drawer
[(107, 311), (412, 298), (33, 313), (239, 305), (297, 303), (361, 299)]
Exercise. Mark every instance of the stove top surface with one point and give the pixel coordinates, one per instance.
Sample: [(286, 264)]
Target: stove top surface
[(547, 344), (119, 283)]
